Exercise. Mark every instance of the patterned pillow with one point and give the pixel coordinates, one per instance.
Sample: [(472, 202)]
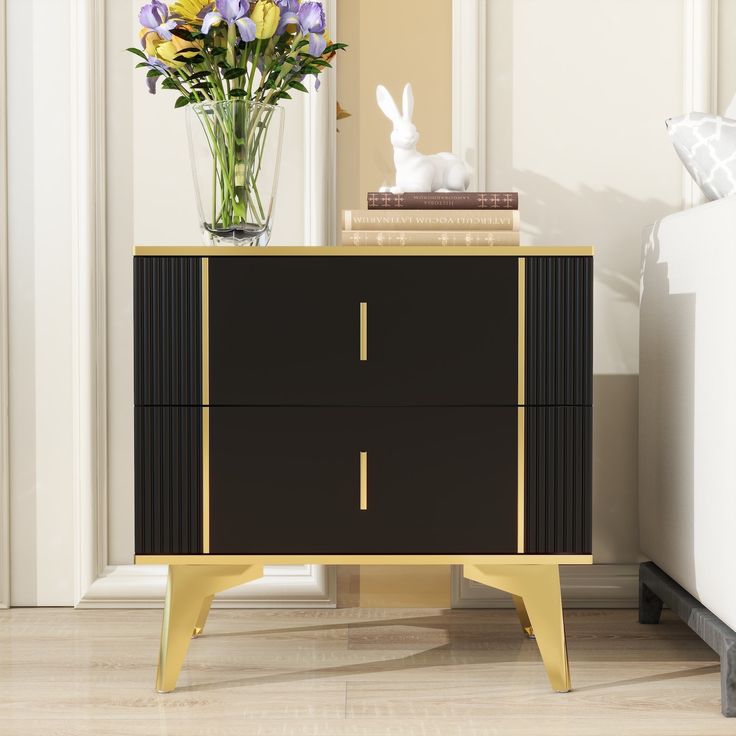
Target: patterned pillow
[(707, 146)]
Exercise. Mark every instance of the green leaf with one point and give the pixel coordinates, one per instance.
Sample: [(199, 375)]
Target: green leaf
[(320, 62), (183, 33), (334, 47), (181, 102), (234, 73), (304, 42), (168, 83), (198, 75), (196, 59), (142, 64), (283, 96), (218, 51), (202, 85), (237, 93), (299, 86), (137, 52), (154, 73)]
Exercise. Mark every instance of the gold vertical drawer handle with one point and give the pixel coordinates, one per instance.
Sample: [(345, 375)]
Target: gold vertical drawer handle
[(364, 331), (363, 481)]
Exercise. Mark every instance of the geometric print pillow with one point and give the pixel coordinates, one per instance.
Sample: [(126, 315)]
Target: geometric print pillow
[(706, 144)]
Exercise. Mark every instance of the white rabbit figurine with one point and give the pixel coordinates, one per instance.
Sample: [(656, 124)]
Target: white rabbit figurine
[(416, 172)]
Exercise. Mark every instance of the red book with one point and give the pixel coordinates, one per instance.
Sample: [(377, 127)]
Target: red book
[(443, 201)]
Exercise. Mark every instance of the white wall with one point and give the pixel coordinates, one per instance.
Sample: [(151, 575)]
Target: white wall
[(40, 303)]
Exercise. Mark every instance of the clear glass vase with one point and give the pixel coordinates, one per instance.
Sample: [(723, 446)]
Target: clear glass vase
[(235, 148)]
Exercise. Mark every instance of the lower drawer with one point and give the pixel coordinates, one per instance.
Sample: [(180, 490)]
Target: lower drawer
[(435, 480)]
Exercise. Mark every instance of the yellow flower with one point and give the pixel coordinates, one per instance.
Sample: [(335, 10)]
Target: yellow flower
[(192, 11), (167, 50), (265, 15)]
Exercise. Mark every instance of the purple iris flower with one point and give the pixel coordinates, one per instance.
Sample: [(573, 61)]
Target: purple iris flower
[(159, 66), (232, 12), (309, 17), (155, 16)]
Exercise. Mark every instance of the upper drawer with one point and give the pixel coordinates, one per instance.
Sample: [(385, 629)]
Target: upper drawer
[(287, 330)]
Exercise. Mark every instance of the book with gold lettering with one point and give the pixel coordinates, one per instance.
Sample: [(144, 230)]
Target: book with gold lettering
[(430, 237), (431, 220)]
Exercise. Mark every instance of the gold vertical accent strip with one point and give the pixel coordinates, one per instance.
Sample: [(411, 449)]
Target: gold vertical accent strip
[(364, 331), (205, 331), (205, 479), (205, 405), (363, 481), (521, 463), (520, 501), (522, 330)]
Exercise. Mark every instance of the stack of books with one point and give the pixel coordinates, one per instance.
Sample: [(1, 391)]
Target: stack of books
[(434, 218)]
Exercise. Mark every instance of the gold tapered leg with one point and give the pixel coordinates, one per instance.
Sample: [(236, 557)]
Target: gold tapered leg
[(204, 611), (189, 588), (538, 587), (526, 624)]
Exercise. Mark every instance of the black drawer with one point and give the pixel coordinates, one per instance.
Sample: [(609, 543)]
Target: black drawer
[(286, 331), (288, 480)]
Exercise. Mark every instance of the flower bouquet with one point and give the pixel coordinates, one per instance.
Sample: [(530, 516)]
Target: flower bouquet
[(231, 62)]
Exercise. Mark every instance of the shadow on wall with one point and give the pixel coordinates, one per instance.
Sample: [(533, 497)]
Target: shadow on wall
[(608, 219)]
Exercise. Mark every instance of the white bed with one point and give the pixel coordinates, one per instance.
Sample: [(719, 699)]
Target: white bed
[(687, 402)]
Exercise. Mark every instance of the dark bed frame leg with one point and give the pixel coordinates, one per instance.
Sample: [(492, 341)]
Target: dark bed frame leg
[(650, 605), (656, 588), (728, 680)]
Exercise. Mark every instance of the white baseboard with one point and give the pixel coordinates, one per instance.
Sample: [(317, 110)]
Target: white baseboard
[(583, 586), (282, 586)]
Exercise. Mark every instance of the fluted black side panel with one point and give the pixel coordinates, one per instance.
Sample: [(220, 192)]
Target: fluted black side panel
[(168, 330), (559, 331), (558, 480), (168, 480)]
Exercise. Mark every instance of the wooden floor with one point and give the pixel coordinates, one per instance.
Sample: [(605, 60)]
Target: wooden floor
[(353, 672)]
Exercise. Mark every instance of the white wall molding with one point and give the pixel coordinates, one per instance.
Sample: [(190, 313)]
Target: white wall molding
[(699, 73), (583, 586), (89, 317), (320, 146), (4, 360), (469, 128), (299, 586)]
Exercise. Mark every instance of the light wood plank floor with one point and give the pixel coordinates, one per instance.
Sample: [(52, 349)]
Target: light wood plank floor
[(353, 672)]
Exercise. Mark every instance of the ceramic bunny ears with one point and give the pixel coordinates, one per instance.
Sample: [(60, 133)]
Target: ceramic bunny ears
[(389, 108)]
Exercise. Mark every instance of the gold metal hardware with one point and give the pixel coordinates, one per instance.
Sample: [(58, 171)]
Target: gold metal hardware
[(538, 587), (363, 559), (535, 589), (521, 381), (364, 331), (363, 481), (189, 593), (364, 250), (205, 407), (520, 473)]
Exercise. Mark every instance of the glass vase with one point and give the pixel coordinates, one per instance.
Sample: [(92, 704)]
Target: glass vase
[(235, 149)]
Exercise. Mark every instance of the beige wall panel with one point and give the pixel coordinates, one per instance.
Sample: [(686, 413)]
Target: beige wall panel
[(391, 43)]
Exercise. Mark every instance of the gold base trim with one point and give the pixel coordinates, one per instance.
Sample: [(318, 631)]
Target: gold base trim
[(536, 593), (189, 593), (357, 250), (535, 589), (449, 559)]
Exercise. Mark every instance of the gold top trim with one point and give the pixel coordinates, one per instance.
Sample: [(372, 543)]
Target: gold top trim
[(353, 250), (318, 559)]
